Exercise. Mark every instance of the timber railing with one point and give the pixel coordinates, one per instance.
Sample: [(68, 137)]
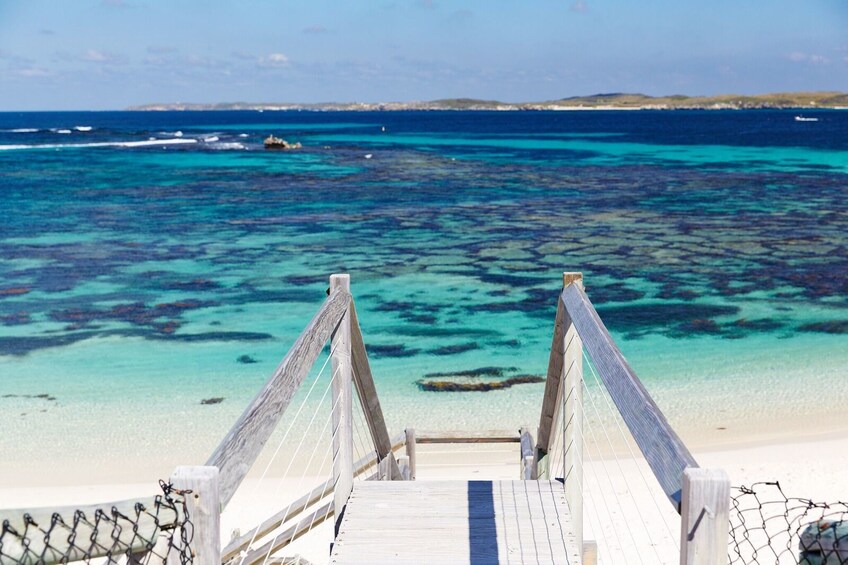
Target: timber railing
[(700, 496)]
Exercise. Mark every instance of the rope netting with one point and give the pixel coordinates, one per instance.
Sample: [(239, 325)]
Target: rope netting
[(141, 533), (766, 526)]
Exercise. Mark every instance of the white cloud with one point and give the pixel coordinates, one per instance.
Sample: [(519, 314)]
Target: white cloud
[(813, 59), (33, 72), (274, 60), (95, 56)]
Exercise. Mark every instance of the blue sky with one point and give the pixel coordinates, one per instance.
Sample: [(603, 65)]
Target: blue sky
[(109, 54)]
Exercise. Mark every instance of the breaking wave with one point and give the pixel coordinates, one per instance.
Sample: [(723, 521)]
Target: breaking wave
[(147, 143)]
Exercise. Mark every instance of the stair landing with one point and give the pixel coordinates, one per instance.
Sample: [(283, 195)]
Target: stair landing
[(475, 522)]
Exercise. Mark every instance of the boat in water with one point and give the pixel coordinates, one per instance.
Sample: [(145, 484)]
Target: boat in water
[(272, 142), (803, 119)]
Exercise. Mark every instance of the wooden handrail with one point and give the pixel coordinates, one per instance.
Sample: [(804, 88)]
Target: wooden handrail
[(467, 437), (664, 451), (132, 535), (236, 454)]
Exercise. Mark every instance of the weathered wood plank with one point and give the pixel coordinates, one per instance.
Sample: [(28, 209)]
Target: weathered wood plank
[(204, 509), (409, 434), (342, 403), (664, 451), (239, 449), (572, 412), (526, 454), (456, 522), (467, 437), (550, 400), (403, 464), (95, 542), (368, 398), (704, 516)]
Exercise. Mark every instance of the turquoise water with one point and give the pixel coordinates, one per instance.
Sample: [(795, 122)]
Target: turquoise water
[(138, 280)]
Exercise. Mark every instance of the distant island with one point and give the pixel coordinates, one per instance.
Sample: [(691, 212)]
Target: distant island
[(615, 101)]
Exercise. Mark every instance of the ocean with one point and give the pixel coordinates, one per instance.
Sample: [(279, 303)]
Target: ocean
[(153, 261)]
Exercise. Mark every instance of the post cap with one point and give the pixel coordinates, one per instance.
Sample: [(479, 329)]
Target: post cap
[(569, 277)]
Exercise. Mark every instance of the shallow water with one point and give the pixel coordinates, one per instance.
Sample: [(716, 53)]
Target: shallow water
[(138, 280)]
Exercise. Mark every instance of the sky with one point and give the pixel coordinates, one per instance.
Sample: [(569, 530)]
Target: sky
[(111, 54)]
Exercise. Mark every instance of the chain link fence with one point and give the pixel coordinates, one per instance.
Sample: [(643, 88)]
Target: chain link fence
[(767, 527), (141, 533)]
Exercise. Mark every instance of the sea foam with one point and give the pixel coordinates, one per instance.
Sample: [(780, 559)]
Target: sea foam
[(147, 143), (227, 146)]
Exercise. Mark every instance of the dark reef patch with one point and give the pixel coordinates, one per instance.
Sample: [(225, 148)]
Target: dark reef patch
[(671, 291), (304, 280), (827, 327), (16, 291), (484, 386), (246, 359), (673, 319), (481, 379), (414, 318), (698, 326), (511, 343), (433, 331), (510, 280), (22, 345), (615, 292), (43, 396), (16, 319), (213, 400), (197, 285), (136, 313), (454, 349), (479, 372), (758, 325), (398, 350), (213, 336)]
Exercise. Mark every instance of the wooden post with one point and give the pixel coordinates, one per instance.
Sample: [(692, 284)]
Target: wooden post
[(704, 515), (342, 405), (572, 414), (526, 443), (403, 465), (410, 451), (204, 511)]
